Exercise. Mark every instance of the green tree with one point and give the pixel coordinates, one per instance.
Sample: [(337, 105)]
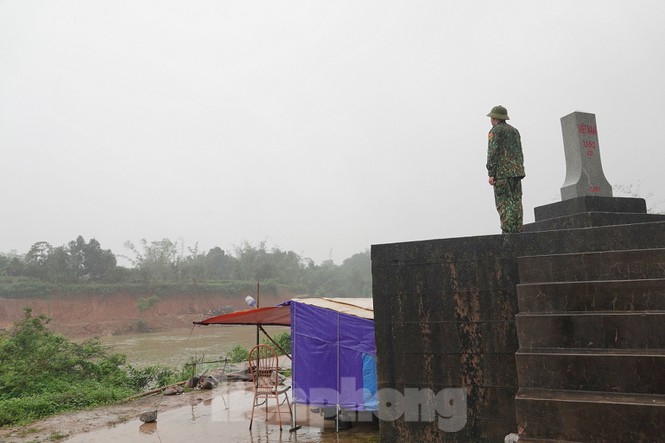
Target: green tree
[(69, 264), (352, 279), (251, 262), (289, 266), (35, 259), (11, 266), (357, 272), (219, 265), (91, 261), (49, 263), (258, 262), (59, 267), (158, 260), (192, 266), (213, 265), (324, 280)]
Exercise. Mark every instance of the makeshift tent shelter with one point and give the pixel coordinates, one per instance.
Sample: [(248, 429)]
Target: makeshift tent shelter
[(334, 353), (333, 348)]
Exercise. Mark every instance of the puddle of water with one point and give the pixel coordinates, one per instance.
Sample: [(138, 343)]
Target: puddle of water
[(225, 418)]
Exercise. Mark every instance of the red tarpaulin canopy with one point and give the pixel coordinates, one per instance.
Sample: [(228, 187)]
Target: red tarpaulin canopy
[(270, 316)]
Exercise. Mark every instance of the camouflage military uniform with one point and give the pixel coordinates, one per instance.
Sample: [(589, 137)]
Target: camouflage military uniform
[(505, 162)]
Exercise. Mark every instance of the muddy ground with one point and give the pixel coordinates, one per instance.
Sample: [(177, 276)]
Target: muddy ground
[(60, 427), (198, 415)]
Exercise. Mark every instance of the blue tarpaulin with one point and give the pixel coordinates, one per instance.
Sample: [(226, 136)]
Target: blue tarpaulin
[(334, 355)]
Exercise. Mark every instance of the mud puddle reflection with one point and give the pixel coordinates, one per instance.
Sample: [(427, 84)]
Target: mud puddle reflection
[(225, 418)]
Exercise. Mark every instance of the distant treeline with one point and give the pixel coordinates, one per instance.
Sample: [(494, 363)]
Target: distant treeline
[(165, 263)]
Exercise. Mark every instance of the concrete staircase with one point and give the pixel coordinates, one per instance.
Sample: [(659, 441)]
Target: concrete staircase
[(591, 358)]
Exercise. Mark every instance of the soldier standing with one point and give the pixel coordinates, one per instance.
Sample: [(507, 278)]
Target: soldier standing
[(505, 167)]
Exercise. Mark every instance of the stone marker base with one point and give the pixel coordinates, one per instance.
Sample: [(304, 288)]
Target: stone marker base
[(588, 211)]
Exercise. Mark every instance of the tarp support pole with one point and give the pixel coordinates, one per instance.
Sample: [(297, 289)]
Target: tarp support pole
[(258, 300), (338, 386), (274, 342), (294, 338)]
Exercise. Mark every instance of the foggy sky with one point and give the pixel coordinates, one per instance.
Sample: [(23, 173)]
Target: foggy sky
[(320, 127)]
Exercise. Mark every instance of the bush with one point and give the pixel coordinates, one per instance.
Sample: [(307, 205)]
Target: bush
[(142, 325), (151, 377), (18, 287), (283, 340), (147, 302), (43, 373), (238, 354)]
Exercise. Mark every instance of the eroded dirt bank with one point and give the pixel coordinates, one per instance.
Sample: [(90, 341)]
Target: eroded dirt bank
[(87, 315)]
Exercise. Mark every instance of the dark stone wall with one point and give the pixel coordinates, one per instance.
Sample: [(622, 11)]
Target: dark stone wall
[(445, 318)]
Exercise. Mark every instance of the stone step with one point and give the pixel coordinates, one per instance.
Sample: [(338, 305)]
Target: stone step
[(603, 330), (602, 370), (579, 416), (613, 295), (590, 204), (591, 219), (591, 266)]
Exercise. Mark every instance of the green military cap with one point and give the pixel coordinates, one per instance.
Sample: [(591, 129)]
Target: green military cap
[(499, 112)]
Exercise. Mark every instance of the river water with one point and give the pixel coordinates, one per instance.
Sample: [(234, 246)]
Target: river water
[(175, 347)]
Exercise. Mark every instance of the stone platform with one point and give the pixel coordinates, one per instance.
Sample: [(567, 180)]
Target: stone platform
[(445, 317)]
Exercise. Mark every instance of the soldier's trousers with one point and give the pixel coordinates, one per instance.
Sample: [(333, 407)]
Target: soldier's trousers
[(508, 200)]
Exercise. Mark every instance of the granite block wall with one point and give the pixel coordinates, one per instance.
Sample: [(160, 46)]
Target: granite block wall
[(445, 318)]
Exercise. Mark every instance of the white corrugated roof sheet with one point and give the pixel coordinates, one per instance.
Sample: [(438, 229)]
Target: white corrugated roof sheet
[(359, 307)]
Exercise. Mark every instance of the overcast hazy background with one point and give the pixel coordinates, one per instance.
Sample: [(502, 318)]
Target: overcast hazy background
[(320, 127)]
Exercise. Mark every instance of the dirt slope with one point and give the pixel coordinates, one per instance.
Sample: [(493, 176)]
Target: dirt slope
[(84, 315)]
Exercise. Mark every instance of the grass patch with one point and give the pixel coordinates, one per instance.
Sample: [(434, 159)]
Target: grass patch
[(58, 436)]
